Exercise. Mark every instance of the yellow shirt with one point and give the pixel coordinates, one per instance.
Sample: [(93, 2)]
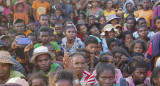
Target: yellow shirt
[(54, 32), (145, 14), (106, 13)]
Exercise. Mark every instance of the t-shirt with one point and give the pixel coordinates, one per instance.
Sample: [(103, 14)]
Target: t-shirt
[(97, 14), (56, 46), (148, 15), (106, 13), (22, 16), (14, 74), (41, 8)]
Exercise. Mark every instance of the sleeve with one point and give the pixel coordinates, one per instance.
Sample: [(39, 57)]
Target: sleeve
[(154, 15), (91, 79), (34, 5), (37, 45), (56, 46), (137, 14), (151, 14)]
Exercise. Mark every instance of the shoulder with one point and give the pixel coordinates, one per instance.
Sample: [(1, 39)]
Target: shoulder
[(16, 74), (37, 45)]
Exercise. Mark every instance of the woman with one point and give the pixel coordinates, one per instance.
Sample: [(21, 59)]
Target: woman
[(108, 10), (71, 42), (76, 64), (95, 10)]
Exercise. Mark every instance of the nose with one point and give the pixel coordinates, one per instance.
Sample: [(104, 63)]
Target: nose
[(107, 81)]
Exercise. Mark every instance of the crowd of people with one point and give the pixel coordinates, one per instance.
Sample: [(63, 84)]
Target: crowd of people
[(80, 42)]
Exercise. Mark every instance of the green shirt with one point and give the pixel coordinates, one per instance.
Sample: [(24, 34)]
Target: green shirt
[(14, 74), (56, 46)]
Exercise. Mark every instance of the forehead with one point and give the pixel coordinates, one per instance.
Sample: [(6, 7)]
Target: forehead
[(20, 36), (44, 33), (78, 58), (44, 17), (19, 24), (43, 56)]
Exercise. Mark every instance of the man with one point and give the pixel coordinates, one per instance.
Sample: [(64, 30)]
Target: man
[(43, 60), (5, 68)]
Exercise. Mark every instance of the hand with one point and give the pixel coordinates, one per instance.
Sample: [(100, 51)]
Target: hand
[(28, 48), (14, 45), (67, 61)]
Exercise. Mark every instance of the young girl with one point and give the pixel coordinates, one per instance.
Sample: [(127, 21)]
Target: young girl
[(138, 68), (138, 46), (156, 23), (102, 20), (156, 76), (20, 8), (38, 79), (120, 57)]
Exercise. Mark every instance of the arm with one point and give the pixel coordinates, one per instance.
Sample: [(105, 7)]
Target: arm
[(84, 5)]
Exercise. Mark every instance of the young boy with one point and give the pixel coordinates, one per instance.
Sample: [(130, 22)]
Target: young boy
[(112, 43), (146, 12), (44, 35), (143, 33), (53, 21), (40, 7), (131, 23), (157, 23)]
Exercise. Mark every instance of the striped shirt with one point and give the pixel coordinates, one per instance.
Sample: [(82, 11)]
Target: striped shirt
[(88, 78)]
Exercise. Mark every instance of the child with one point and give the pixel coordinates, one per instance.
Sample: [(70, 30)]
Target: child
[(94, 30), (33, 38), (130, 8), (131, 23), (53, 20), (143, 33), (139, 7), (40, 7), (138, 46), (20, 8), (120, 57), (58, 13), (102, 20), (128, 38), (38, 79), (112, 43), (138, 68), (31, 26), (11, 34), (82, 28), (52, 38), (6, 41), (155, 76), (113, 19), (146, 12), (156, 23)]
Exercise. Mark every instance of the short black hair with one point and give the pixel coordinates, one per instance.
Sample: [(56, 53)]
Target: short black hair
[(140, 20), (19, 21), (111, 40), (137, 54), (82, 50), (143, 43), (89, 17), (156, 18), (126, 33), (155, 74), (133, 19), (43, 15), (20, 33), (104, 57), (139, 27), (120, 50), (44, 29), (83, 14), (70, 26), (90, 39), (102, 16), (103, 67), (32, 34)]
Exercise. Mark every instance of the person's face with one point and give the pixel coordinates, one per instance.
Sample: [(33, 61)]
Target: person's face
[(3, 30), (12, 36), (43, 62), (20, 8), (114, 22), (119, 33), (4, 2), (52, 38), (92, 48), (95, 30), (63, 83), (146, 4), (106, 78), (58, 13), (44, 37), (33, 39), (157, 24), (109, 4), (135, 2), (156, 81), (19, 27), (142, 22), (78, 64), (128, 38), (21, 36), (139, 7), (43, 21), (83, 29), (143, 32), (102, 20), (4, 70), (38, 82), (129, 7), (81, 17), (32, 26), (138, 48), (117, 57), (130, 24), (59, 29), (111, 33), (91, 20), (51, 48), (10, 18), (139, 75), (94, 3), (114, 2), (113, 45), (72, 15), (7, 42), (53, 20), (71, 34)]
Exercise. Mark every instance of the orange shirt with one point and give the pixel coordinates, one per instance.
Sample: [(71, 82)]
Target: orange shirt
[(41, 8), (145, 14), (27, 32), (23, 16)]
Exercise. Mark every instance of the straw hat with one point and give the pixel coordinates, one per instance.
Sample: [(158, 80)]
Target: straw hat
[(5, 57), (113, 16), (108, 28), (17, 80), (24, 4), (39, 51)]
